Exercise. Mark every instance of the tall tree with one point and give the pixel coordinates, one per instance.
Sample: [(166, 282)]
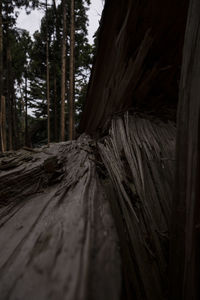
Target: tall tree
[(82, 63), (8, 73), (47, 77), (26, 110), (1, 51), (2, 99), (3, 124), (71, 76), (63, 72), (8, 23)]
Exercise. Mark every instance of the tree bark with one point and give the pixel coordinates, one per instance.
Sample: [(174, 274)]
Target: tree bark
[(1, 51), (63, 73), (9, 100), (26, 113), (3, 124), (47, 80), (3, 146), (71, 79), (57, 21), (55, 109)]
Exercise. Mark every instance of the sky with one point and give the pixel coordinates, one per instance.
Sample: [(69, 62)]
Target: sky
[(31, 22)]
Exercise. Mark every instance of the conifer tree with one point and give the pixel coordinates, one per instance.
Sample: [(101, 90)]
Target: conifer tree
[(63, 72), (71, 75)]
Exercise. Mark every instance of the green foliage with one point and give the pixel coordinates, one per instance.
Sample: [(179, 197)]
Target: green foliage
[(25, 67)]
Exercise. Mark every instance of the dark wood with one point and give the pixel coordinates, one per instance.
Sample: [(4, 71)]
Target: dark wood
[(3, 125), (59, 240), (63, 72), (185, 236), (47, 78), (138, 60), (138, 154), (71, 72)]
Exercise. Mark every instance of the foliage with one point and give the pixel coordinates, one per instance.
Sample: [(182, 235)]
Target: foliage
[(24, 67)]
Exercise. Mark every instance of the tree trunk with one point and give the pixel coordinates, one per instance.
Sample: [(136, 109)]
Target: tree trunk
[(3, 146), (55, 109), (63, 73), (47, 80), (9, 100), (57, 21), (14, 117), (1, 51), (3, 124), (71, 79), (26, 113)]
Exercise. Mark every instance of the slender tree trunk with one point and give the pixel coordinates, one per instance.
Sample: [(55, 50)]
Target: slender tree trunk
[(1, 51), (22, 117), (71, 78), (3, 124), (9, 101), (8, 80), (55, 109), (57, 21), (47, 80), (63, 73), (12, 102), (15, 123), (2, 99), (26, 112)]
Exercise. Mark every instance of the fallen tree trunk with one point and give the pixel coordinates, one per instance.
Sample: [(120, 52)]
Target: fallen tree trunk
[(59, 241), (62, 226)]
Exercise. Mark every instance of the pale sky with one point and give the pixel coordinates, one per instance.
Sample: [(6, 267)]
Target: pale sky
[(31, 22)]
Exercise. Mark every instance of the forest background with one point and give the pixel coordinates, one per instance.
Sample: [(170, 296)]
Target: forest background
[(43, 74)]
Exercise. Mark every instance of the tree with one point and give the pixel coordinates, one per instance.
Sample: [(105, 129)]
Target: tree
[(63, 72), (82, 64), (71, 76), (2, 99), (8, 40), (47, 78)]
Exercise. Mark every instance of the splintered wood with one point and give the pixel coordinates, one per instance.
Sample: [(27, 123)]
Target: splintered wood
[(139, 156), (59, 241)]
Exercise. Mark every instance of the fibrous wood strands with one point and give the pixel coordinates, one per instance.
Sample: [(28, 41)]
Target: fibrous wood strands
[(58, 240), (139, 156)]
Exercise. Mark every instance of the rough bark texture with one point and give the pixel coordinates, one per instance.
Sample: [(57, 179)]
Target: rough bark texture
[(185, 240)]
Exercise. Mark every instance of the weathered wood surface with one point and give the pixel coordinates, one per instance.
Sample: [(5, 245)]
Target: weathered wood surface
[(139, 157), (185, 236), (27, 171), (138, 61), (58, 242)]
